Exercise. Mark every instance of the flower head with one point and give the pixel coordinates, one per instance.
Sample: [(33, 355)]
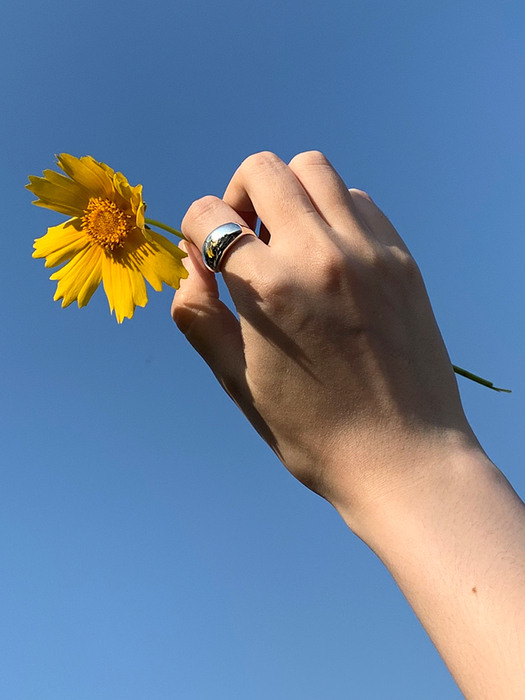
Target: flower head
[(105, 239)]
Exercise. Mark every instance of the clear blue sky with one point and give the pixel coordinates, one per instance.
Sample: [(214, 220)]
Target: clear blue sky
[(151, 546)]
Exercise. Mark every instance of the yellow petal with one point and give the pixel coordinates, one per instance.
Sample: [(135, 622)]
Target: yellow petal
[(76, 279), (121, 185), (140, 211), (61, 243), (92, 281), (127, 197), (118, 288), (160, 261), (136, 198), (88, 173), (110, 172), (88, 254), (140, 295), (52, 196), (74, 188)]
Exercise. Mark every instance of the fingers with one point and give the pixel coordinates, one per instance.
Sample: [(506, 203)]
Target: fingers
[(326, 190), (304, 207), (207, 323), (351, 213), (208, 213), (298, 204), (376, 221), (301, 202), (265, 186)]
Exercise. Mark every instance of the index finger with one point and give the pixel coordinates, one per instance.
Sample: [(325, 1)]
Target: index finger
[(265, 186), (205, 215)]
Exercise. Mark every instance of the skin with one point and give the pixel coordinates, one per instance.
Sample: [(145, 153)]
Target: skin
[(336, 359)]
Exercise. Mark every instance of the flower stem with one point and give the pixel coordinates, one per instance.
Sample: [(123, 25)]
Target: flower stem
[(479, 380), (158, 224)]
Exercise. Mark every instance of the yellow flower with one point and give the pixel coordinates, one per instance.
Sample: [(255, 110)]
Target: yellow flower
[(106, 238)]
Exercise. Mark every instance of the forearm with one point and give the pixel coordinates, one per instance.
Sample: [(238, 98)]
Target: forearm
[(337, 360), (455, 544)]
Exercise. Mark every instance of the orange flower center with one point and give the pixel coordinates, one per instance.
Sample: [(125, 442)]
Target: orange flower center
[(106, 223)]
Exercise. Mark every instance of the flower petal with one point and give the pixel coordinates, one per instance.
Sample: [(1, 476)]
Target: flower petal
[(88, 173), (160, 261), (88, 258), (61, 243), (118, 287), (140, 295), (76, 280), (109, 171), (121, 185), (92, 282), (75, 188), (52, 196)]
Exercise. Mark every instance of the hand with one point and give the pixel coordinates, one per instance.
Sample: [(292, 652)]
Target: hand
[(335, 358)]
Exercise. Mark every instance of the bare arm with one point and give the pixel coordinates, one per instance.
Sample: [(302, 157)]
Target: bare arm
[(336, 359), (456, 547)]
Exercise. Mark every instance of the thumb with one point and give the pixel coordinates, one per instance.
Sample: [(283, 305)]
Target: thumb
[(208, 324)]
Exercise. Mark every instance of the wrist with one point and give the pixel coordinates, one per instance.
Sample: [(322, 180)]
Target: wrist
[(454, 541), (407, 476)]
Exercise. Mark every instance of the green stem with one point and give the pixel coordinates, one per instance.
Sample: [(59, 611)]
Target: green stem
[(479, 380), (158, 224)]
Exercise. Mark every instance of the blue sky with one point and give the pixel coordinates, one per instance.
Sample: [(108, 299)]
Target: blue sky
[(151, 546)]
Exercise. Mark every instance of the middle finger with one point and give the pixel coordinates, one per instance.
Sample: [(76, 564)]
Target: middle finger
[(265, 186)]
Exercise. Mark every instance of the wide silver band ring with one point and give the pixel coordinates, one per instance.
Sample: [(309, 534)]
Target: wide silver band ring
[(218, 241)]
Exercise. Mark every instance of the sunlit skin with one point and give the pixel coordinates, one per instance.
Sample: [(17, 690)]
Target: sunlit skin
[(336, 359)]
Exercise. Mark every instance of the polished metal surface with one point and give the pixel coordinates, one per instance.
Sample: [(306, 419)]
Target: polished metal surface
[(218, 241)]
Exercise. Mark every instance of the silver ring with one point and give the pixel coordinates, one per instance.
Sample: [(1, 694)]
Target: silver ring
[(218, 241)]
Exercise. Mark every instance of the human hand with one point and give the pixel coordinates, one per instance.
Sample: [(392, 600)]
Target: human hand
[(335, 356), (336, 359)]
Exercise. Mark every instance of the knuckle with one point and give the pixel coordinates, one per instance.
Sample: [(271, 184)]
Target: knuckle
[(331, 270), (360, 194), (259, 161), (406, 263), (199, 209), (308, 159), (391, 263), (278, 294), (374, 258), (182, 317), (377, 263)]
